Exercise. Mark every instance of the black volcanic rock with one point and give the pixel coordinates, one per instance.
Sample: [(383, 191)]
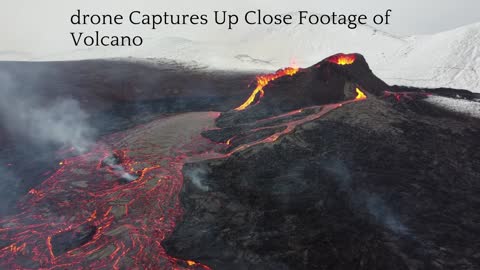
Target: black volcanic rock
[(376, 184), (361, 188), (446, 92), (72, 239)]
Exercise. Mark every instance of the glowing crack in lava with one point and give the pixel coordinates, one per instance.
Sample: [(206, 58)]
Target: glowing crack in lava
[(342, 59), (263, 81), (115, 224), (399, 96)]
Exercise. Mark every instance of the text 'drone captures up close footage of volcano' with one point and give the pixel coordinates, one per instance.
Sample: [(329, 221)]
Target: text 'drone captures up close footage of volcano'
[(325, 167)]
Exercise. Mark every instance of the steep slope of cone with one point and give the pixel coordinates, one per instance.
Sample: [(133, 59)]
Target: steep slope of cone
[(332, 80)]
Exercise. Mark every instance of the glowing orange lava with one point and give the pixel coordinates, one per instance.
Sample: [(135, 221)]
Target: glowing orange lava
[(262, 81), (126, 222), (342, 59), (360, 95)]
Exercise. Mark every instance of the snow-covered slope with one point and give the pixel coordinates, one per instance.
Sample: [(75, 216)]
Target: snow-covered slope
[(462, 106), (447, 59)]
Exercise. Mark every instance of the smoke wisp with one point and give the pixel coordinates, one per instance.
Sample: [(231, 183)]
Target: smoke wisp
[(198, 177), (59, 122), (372, 202)]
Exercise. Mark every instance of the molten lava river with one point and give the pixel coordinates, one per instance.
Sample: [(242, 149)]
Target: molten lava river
[(112, 207)]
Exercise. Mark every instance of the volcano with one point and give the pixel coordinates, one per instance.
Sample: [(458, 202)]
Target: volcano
[(332, 80), (328, 167), (325, 167)]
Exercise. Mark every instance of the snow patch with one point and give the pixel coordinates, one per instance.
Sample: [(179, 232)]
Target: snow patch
[(471, 108)]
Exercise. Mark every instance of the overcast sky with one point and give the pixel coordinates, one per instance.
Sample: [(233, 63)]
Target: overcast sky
[(27, 26)]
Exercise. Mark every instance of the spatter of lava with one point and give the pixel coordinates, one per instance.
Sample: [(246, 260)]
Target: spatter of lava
[(262, 81), (342, 59), (122, 225)]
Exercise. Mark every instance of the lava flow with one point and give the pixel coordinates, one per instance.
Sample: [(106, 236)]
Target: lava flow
[(318, 111), (86, 217), (263, 81)]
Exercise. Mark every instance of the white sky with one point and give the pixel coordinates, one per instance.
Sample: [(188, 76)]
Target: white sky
[(29, 26)]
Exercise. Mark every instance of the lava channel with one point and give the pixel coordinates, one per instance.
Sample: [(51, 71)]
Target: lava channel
[(264, 80)]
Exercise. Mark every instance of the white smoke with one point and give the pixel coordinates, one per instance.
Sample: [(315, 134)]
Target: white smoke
[(119, 170), (198, 176), (378, 208), (61, 122), (373, 203)]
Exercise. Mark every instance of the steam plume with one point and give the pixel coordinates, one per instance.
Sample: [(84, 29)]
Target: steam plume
[(60, 122)]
